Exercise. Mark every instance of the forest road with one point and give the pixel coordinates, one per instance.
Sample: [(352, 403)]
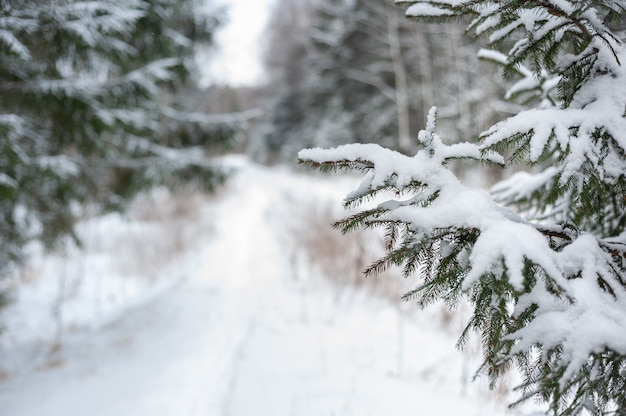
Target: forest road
[(175, 354)]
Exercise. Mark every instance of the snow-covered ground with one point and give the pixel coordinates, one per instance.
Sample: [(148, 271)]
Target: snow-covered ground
[(210, 309)]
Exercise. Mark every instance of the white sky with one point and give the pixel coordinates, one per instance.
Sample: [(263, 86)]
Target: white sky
[(237, 58)]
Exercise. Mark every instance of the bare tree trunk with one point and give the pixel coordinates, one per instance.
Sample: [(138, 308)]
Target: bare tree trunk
[(401, 85), (426, 70), (465, 116)]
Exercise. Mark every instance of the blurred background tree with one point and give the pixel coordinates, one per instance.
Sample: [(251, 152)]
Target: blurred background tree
[(90, 112), (344, 71)]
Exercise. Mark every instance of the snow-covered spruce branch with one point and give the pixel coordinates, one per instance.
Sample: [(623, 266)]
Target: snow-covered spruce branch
[(530, 86), (548, 298), (587, 138), (90, 87), (89, 21), (564, 36)]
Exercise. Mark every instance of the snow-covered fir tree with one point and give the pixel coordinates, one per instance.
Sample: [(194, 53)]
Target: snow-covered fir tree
[(87, 110), (543, 258)]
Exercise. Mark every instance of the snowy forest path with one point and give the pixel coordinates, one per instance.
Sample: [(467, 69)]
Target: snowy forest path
[(167, 357), (174, 354)]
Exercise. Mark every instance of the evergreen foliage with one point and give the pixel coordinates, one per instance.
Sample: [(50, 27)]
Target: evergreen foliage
[(543, 259), (87, 112)]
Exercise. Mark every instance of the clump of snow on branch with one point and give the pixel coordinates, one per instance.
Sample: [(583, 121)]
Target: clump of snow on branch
[(597, 109)]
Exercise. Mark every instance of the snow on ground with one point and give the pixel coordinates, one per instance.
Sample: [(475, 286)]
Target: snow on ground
[(222, 322)]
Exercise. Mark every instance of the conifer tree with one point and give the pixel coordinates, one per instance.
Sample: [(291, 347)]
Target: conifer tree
[(543, 258), (87, 114)]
